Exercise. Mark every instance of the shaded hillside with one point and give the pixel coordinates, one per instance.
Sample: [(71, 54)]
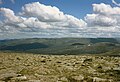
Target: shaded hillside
[(112, 40), (26, 46)]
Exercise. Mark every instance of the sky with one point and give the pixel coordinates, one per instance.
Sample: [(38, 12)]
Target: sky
[(59, 18)]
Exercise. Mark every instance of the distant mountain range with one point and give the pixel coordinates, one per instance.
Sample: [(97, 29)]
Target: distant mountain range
[(58, 46)]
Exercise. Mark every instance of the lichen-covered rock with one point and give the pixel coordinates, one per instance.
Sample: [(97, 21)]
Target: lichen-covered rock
[(96, 79), (19, 78), (58, 68), (7, 76), (62, 79), (78, 78), (34, 81)]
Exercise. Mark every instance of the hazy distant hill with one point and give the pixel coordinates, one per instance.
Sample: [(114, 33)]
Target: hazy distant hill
[(63, 45)]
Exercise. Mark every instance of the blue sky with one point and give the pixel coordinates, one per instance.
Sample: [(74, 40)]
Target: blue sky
[(69, 18)]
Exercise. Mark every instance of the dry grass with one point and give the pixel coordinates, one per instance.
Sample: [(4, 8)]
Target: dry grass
[(16, 67)]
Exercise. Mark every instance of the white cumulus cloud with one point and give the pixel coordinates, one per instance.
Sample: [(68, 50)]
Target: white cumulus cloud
[(113, 1), (43, 12), (50, 14), (103, 15), (100, 20), (105, 9), (36, 16), (9, 16), (40, 20)]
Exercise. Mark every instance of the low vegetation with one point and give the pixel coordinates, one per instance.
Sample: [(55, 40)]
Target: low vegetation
[(62, 46), (23, 67)]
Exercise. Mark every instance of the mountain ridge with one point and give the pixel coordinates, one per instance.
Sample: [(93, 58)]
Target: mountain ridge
[(61, 45)]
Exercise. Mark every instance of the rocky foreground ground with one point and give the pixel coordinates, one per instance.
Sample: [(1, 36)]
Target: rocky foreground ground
[(16, 67)]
